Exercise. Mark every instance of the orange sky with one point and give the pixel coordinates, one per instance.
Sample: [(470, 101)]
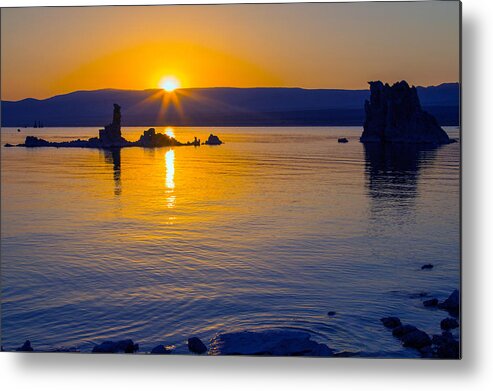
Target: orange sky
[(49, 51)]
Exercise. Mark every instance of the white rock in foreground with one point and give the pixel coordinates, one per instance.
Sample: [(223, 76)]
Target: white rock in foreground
[(268, 343)]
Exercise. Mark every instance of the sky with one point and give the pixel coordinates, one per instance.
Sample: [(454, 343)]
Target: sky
[(46, 51)]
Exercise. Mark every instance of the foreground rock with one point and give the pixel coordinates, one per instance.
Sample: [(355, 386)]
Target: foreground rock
[(268, 343), (124, 346), (446, 346), (161, 349), (416, 339), (401, 330), (440, 346), (394, 115), (412, 337), (391, 322), (195, 345), (64, 349), (26, 347), (449, 324), (451, 304)]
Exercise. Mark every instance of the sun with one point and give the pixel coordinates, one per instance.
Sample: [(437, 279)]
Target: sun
[(169, 83)]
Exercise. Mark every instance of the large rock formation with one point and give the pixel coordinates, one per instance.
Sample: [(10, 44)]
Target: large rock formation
[(111, 135), (394, 115)]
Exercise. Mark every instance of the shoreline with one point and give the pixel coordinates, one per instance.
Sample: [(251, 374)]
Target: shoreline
[(285, 342)]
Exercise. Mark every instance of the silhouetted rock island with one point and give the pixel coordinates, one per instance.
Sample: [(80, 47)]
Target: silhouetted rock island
[(213, 140), (111, 137), (394, 115)]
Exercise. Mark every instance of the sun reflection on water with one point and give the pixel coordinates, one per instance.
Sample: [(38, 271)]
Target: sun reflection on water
[(170, 177), (170, 169)]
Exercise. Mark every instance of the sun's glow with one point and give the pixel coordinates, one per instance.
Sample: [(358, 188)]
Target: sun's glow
[(169, 83)]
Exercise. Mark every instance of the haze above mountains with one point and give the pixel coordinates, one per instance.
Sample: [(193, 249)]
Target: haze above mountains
[(221, 106)]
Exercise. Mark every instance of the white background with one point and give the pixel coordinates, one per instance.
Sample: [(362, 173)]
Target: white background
[(474, 372)]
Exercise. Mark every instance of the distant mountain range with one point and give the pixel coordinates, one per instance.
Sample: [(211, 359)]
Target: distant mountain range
[(217, 107)]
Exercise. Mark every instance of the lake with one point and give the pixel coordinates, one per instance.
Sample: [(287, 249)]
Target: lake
[(273, 229)]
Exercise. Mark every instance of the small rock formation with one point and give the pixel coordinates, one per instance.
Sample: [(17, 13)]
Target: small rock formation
[(399, 331), (394, 115), (331, 313), (391, 322), (195, 345), (213, 140), (430, 303), (439, 346), (446, 346), (111, 135), (26, 347), (342, 140), (124, 346), (151, 139), (451, 304), (111, 138), (161, 349), (449, 324), (64, 349), (268, 343), (412, 337), (416, 339), (427, 266)]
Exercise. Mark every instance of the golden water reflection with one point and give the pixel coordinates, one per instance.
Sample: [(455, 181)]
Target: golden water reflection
[(169, 158)]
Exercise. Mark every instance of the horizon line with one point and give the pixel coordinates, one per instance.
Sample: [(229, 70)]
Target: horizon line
[(211, 88)]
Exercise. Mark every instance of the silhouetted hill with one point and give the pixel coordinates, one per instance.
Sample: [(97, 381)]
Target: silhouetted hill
[(217, 106)]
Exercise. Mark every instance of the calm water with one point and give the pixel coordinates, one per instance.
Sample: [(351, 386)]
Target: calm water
[(270, 230)]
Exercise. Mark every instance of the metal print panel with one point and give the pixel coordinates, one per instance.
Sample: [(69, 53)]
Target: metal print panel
[(264, 179)]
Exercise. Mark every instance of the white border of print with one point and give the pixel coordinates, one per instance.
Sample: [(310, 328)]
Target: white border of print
[(473, 372)]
